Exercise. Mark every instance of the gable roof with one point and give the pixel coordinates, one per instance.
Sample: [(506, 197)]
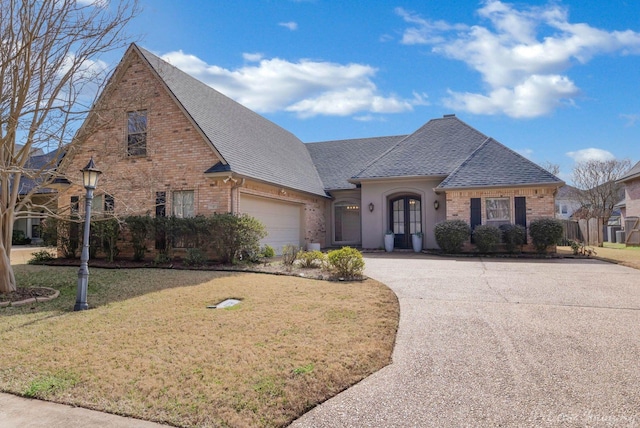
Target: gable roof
[(338, 161), (435, 149), (633, 173), (494, 165), (251, 145)]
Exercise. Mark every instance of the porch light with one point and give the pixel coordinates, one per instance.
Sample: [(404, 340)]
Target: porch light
[(371, 206), (436, 204)]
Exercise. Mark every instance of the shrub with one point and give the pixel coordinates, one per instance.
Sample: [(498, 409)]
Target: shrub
[(451, 234), (267, 252), (310, 259), (233, 235), (346, 262), (194, 257), (486, 237), (68, 232), (140, 228), (545, 232), (40, 257), (161, 258), (514, 236), (109, 232), (18, 238), (289, 254)]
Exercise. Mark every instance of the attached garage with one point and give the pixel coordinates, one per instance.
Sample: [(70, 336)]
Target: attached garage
[(282, 220)]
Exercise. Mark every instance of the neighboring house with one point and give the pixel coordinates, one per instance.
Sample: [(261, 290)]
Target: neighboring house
[(41, 201), (630, 206), (566, 202), (169, 144)]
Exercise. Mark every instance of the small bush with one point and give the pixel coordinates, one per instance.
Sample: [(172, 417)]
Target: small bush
[(451, 234), (40, 257), (545, 232), (310, 259), (18, 238), (289, 254), (194, 257), (486, 237), (346, 263), (514, 236), (161, 259), (267, 252), (141, 229), (235, 235)]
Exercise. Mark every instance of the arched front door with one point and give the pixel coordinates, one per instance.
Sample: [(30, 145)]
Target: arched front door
[(405, 218)]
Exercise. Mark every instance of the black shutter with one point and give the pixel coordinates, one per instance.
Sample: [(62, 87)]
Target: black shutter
[(520, 205), (476, 214), (521, 211)]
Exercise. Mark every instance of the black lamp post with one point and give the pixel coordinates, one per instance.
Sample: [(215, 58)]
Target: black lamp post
[(90, 176)]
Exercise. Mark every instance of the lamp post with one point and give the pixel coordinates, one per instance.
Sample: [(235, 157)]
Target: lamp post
[(90, 176)]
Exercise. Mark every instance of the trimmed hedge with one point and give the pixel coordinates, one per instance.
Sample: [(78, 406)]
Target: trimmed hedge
[(545, 232), (486, 237), (451, 235), (514, 237)]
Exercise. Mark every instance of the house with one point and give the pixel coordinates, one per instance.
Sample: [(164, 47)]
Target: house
[(169, 144), (567, 202), (38, 200), (630, 207)]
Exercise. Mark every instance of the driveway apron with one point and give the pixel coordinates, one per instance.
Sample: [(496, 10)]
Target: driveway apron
[(501, 342)]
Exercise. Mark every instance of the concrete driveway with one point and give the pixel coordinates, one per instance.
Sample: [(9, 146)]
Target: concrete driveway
[(501, 342)]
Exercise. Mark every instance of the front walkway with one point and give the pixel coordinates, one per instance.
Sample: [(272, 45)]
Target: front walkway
[(501, 342)]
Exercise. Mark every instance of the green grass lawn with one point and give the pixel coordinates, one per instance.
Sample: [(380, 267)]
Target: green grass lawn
[(150, 348)]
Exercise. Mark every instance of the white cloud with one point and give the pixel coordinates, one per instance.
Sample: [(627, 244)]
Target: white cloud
[(307, 88), (293, 26), (527, 153), (521, 64), (591, 154), (631, 118)]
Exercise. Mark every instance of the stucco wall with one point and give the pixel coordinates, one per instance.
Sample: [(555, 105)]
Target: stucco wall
[(376, 223)]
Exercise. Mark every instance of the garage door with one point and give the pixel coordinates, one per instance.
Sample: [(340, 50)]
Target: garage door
[(282, 220)]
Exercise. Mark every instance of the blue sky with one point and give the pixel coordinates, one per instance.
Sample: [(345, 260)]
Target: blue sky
[(555, 81)]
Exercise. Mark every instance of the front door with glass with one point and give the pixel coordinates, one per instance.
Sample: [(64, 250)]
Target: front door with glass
[(405, 218)]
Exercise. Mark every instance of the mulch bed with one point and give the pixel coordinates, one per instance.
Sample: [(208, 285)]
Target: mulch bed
[(27, 293)]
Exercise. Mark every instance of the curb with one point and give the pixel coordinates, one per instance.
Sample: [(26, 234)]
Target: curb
[(32, 299)]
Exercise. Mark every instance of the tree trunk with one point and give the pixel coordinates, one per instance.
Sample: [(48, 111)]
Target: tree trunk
[(7, 278)]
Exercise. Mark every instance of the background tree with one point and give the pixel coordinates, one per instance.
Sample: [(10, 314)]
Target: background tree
[(598, 190), (553, 168), (50, 72)]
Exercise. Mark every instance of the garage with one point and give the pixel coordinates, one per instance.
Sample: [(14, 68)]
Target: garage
[(283, 220)]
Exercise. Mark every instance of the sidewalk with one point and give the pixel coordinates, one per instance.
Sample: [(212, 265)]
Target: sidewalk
[(18, 412)]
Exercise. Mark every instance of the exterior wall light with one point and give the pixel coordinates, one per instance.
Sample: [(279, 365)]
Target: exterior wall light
[(371, 207), (436, 204)]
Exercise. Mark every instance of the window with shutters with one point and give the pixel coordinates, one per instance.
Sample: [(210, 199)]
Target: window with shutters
[(498, 211)]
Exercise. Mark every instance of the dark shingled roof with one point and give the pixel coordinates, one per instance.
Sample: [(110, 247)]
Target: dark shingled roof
[(494, 165), (436, 149), (338, 161), (249, 143), (39, 166), (634, 172)]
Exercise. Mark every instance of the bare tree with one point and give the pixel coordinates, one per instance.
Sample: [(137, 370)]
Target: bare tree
[(50, 72), (598, 190), (553, 168)]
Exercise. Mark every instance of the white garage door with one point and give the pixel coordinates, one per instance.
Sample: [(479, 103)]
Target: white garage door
[(282, 220)]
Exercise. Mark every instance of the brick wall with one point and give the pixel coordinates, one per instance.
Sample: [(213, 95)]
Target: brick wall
[(540, 203), (177, 155)]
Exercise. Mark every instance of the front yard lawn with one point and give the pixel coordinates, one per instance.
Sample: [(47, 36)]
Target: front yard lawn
[(150, 348)]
